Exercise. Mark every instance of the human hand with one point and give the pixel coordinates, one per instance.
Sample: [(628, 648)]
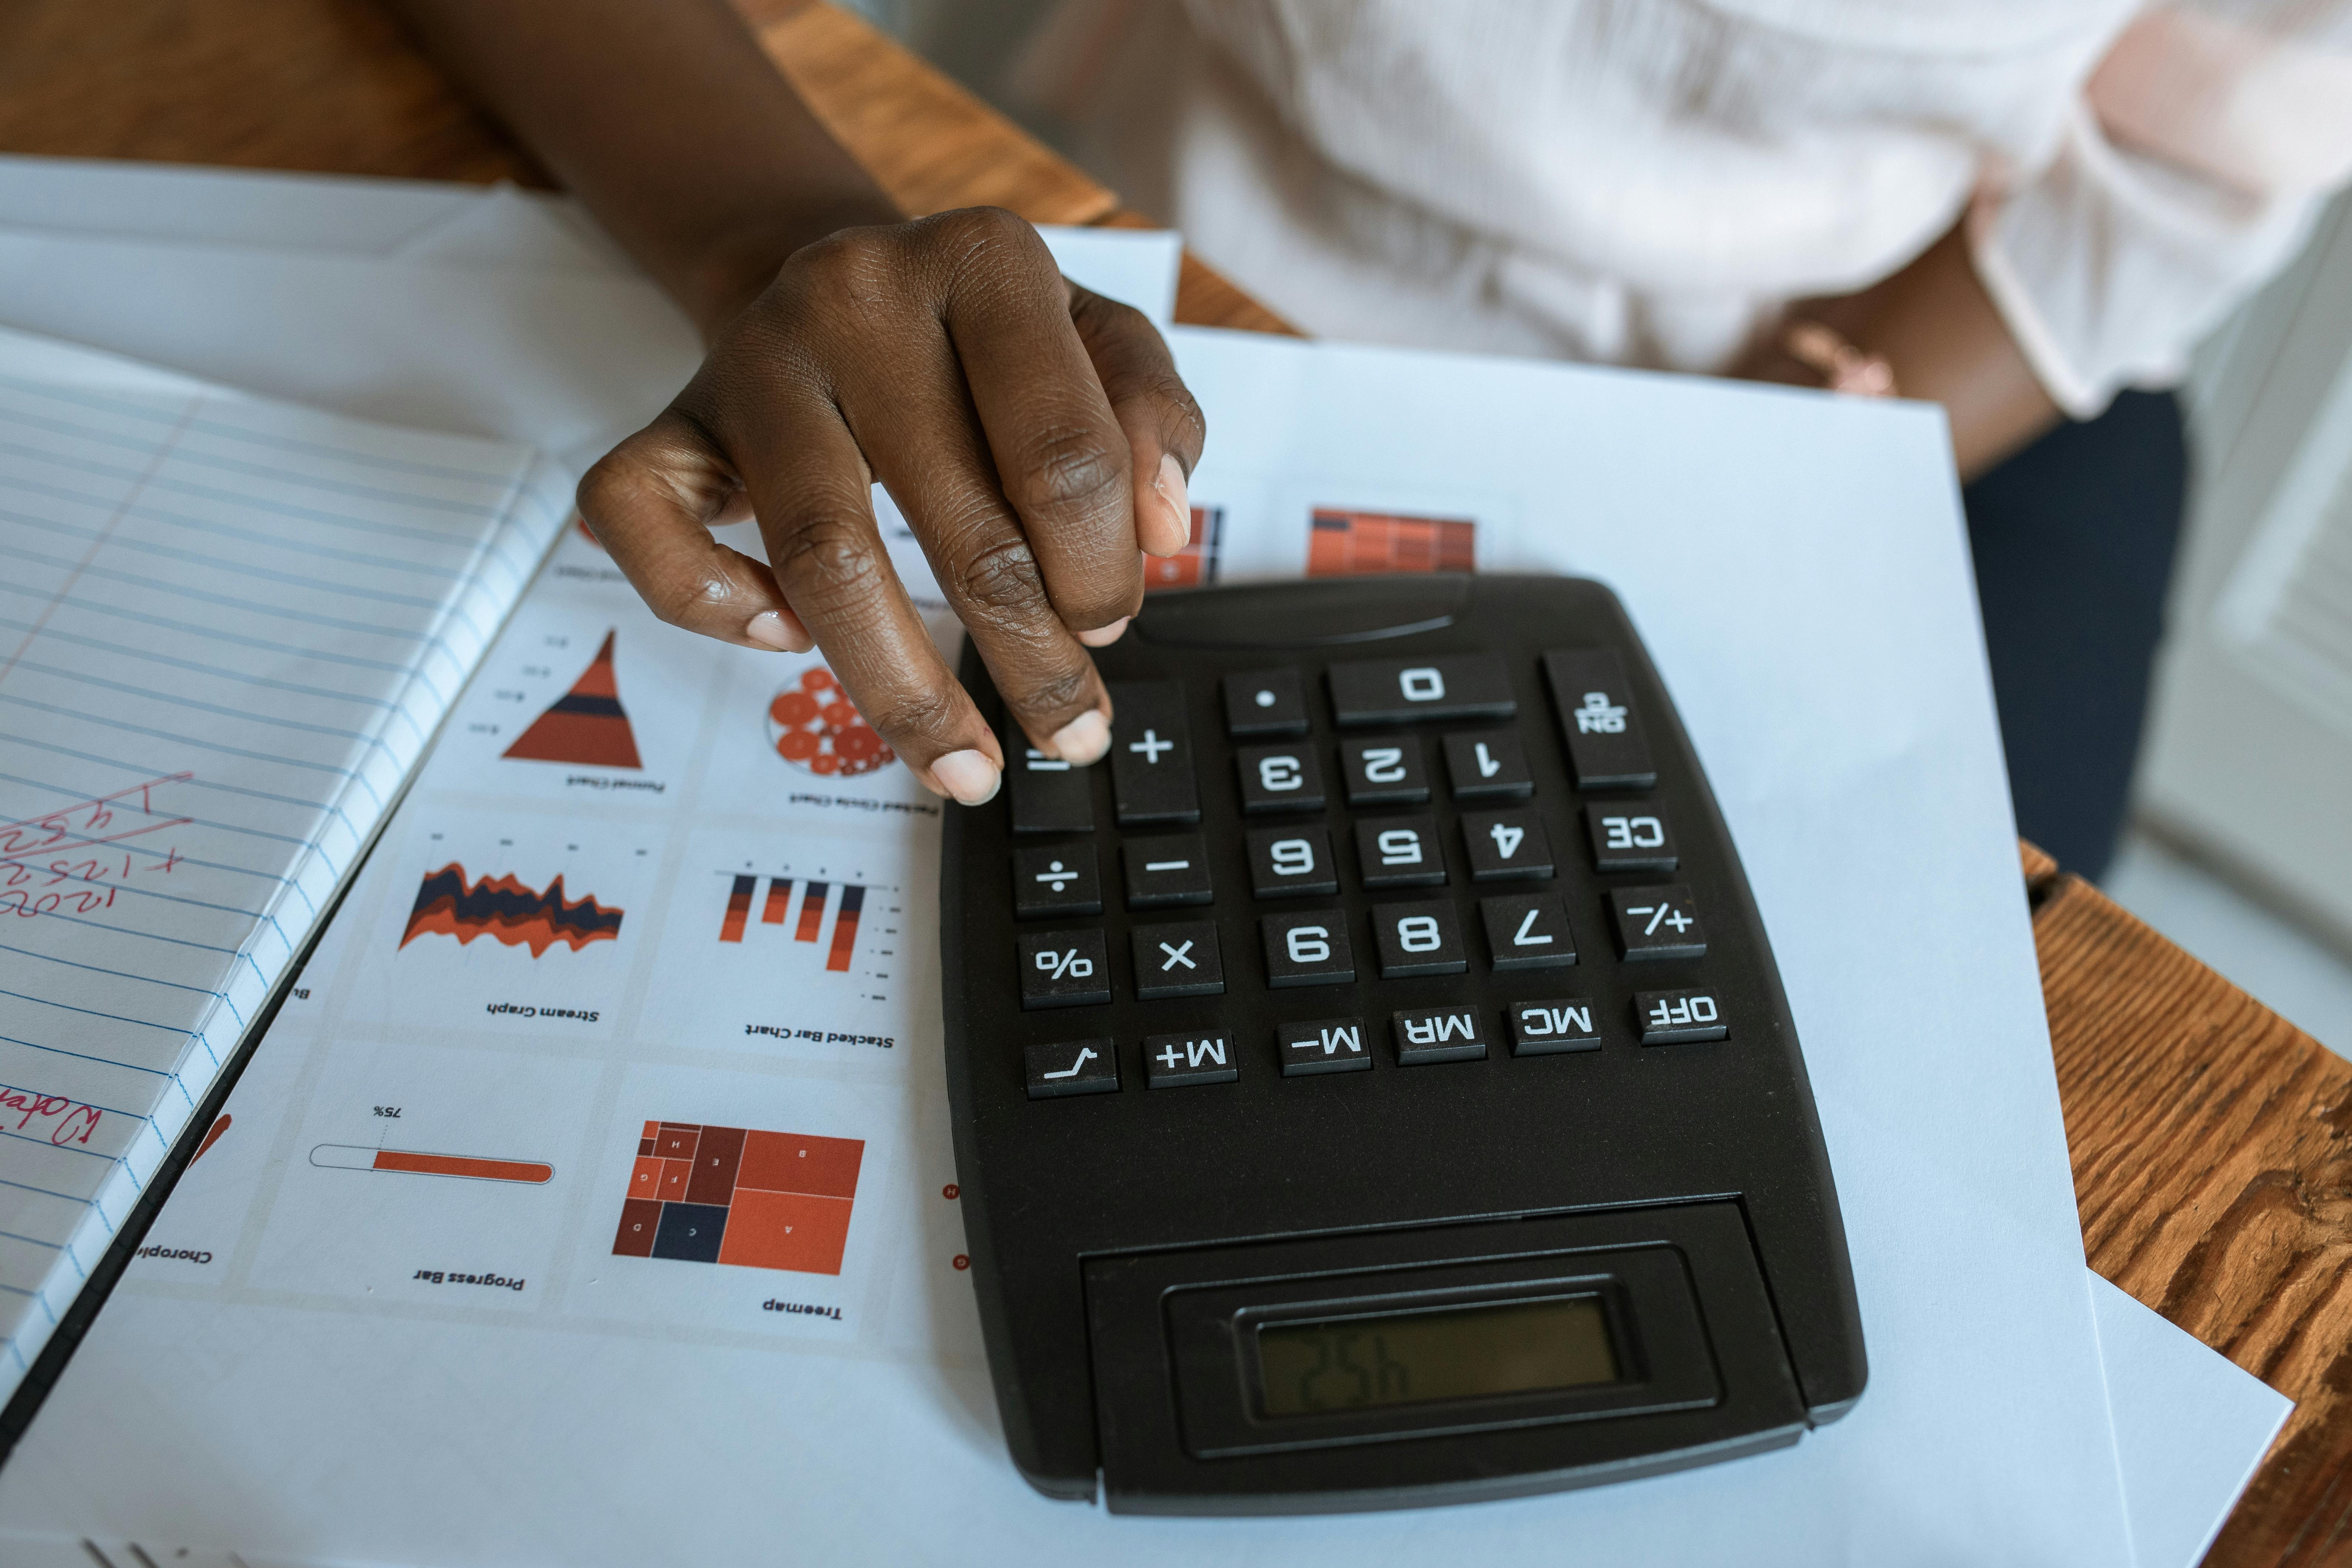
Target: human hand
[(1035, 435)]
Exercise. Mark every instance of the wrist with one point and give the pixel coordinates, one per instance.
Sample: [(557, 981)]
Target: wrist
[(730, 268)]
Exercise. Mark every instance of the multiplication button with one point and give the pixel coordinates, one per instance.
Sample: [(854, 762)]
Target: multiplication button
[(1675, 1017), (1321, 1046), (1069, 1067), (1178, 960), (1063, 969), (1166, 871), (1179, 1061), (1657, 922)]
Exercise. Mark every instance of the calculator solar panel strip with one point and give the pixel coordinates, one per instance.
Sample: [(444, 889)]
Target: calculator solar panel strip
[(1359, 1197)]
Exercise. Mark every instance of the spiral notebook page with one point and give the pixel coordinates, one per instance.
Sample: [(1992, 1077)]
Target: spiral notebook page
[(228, 629)]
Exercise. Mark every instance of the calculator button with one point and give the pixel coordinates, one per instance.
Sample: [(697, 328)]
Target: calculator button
[(1657, 922), (1178, 960), (1400, 852), (1324, 1045), (1061, 880), (1419, 938), (1265, 702), (1438, 1035), (1675, 1017), (1489, 765), (1504, 845), (1063, 969), (1291, 862), (1070, 1066), (1384, 773), (1307, 949), (1630, 838), (1048, 794), (1151, 753), (1165, 871), (1178, 1061), (1403, 691), (1547, 1028), (1528, 931), (1596, 713), (1279, 778)]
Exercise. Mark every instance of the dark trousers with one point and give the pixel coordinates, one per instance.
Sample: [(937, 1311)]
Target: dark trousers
[(2073, 542)]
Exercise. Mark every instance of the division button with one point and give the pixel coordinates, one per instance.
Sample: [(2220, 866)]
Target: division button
[(1180, 960), (1400, 852), (1060, 881), (1265, 702), (1166, 871), (1178, 1061), (1676, 1017), (1438, 1035), (1151, 753), (1505, 845), (1279, 778), (1657, 922), (1309, 949), (1384, 773), (1291, 862), (1528, 931), (1630, 838), (1047, 794), (1063, 969), (1488, 764), (1547, 1028), (1595, 705), (1404, 690), (1323, 1044), (1419, 938), (1070, 1066)]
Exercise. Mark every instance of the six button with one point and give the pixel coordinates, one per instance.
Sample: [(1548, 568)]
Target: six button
[(1291, 863)]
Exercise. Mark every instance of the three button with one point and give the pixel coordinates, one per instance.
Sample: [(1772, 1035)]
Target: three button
[(1279, 778)]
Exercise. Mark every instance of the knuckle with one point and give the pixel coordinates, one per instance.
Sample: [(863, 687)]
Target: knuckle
[(831, 557), (1067, 469), (1000, 580), (914, 712), (1055, 691)]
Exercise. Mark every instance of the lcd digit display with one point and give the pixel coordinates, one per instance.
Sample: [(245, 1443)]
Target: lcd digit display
[(1456, 1353)]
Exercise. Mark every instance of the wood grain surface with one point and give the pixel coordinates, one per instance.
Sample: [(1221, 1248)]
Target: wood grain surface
[(2209, 1136)]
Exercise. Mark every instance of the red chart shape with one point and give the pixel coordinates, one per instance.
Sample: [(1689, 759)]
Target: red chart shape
[(741, 1197), (584, 727), (1353, 544)]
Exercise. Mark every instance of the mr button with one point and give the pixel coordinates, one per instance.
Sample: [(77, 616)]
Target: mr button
[(1438, 1035)]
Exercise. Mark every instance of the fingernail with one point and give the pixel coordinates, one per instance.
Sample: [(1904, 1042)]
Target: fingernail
[(768, 629), (1103, 637), (1083, 740), (1168, 486), (968, 776)]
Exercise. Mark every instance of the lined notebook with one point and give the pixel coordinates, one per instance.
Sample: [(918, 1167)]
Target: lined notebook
[(228, 629)]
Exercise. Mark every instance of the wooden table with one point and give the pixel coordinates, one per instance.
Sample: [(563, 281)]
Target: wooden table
[(2209, 1136)]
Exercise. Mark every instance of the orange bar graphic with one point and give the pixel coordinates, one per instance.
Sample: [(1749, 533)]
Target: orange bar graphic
[(812, 912), (739, 909), (844, 927), (780, 900), (355, 1157)]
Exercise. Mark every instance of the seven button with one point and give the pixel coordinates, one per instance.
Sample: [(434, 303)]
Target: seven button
[(1528, 931)]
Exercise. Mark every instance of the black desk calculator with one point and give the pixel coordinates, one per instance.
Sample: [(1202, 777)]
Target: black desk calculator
[(1371, 1082)]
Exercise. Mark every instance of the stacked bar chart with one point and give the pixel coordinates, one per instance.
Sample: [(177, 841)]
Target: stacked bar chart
[(700, 1194), (775, 910), (1354, 543)]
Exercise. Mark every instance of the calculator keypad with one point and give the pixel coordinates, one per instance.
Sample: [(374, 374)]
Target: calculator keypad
[(1178, 960)]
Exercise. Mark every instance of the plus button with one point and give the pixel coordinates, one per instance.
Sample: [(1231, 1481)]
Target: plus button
[(1151, 745), (1172, 1059)]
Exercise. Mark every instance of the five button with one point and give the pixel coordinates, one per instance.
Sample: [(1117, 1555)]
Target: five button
[(1400, 852)]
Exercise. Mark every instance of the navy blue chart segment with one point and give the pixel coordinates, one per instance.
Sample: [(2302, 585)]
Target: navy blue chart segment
[(690, 1232)]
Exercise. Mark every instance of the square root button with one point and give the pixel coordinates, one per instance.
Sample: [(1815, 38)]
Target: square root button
[(1675, 1017), (1438, 1035), (1070, 1066), (1322, 1045), (1178, 1061)]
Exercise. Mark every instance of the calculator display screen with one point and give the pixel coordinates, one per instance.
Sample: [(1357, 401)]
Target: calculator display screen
[(1462, 1353)]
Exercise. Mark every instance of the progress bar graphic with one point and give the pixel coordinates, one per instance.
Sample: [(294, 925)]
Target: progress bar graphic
[(416, 1162)]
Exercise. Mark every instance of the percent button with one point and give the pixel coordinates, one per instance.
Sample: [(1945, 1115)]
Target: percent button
[(1064, 969)]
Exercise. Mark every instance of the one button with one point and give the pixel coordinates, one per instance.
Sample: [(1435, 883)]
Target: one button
[(1596, 713), (1048, 794), (1178, 1061), (1438, 1035), (1676, 1017), (1488, 765), (1070, 1066), (1165, 871), (1063, 969), (1505, 845), (1061, 880), (1630, 838), (1151, 754), (1265, 702), (1279, 778), (1657, 922), (1324, 1045), (1547, 1028), (1384, 773), (1400, 852), (1403, 691), (1528, 931), (1178, 961), (1419, 938), (1307, 949), (1291, 862)]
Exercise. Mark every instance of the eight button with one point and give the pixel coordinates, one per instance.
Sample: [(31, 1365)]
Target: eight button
[(1419, 938)]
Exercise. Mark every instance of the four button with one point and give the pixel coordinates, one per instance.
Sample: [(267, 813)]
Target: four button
[(1505, 845)]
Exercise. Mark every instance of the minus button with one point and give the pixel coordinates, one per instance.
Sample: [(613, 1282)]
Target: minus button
[(1164, 872)]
